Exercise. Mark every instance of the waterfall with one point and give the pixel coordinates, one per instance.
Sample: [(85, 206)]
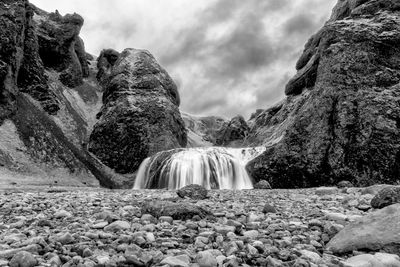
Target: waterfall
[(211, 167)]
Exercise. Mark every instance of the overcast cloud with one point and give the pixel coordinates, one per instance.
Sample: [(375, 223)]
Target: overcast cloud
[(227, 57)]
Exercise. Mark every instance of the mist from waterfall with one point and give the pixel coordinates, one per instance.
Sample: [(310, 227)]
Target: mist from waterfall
[(211, 167)]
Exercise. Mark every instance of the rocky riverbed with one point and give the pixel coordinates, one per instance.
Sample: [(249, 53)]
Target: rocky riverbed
[(96, 227)]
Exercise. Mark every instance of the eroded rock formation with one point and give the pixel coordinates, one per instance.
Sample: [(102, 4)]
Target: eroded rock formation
[(233, 133), (140, 114), (341, 117), (43, 123), (202, 130)]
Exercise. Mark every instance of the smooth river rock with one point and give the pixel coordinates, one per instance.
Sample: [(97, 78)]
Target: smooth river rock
[(377, 230)]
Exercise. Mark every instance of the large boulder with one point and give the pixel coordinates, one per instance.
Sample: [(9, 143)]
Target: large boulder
[(176, 210), (140, 114), (341, 117), (375, 231)]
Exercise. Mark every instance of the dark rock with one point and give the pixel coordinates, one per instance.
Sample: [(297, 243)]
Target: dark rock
[(176, 210), (60, 46), (140, 114), (193, 191), (32, 41), (13, 22), (268, 208), (202, 130), (234, 131), (340, 120), (386, 197), (344, 184), (262, 185), (105, 62)]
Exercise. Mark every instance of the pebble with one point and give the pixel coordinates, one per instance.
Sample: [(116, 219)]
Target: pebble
[(117, 226), (206, 259), (95, 227)]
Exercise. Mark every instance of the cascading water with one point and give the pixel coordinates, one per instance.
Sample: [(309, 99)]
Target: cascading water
[(212, 167)]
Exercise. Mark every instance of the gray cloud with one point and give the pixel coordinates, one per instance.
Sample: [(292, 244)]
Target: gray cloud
[(299, 24), (227, 56)]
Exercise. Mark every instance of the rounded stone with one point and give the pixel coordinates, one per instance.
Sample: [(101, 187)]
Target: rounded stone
[(193, 191), (23, 259)]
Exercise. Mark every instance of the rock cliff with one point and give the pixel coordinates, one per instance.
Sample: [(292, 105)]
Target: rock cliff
[(51, 91), (43, 123), (233, 133), (341, 117), (140, 114), (203, 130)]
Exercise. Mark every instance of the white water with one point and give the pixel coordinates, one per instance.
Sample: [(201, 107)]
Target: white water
[(212, 167)]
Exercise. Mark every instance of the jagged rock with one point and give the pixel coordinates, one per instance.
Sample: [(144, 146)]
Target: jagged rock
[(60, 46), (340, 120), (140, 114), (232, 132), (31, 76), (35, 47), (13, 22), (375, 231), (386, 197), (178, 210), (105, 62), (255, 114), (202, 130), (193, 191)]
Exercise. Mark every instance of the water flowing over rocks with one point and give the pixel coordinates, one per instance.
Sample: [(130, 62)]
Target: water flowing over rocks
[(340, 118), (140, 114), (212, 167)]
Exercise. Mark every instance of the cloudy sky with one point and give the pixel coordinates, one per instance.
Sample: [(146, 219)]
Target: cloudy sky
[(227, 57)]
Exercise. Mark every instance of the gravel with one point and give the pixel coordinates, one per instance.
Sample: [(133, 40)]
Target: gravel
[(94, 227)]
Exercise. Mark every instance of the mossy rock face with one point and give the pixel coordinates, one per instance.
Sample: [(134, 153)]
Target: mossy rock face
[(341, 118), (140, 115)]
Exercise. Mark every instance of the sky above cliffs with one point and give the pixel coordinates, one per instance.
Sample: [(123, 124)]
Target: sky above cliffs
[(227, 57)]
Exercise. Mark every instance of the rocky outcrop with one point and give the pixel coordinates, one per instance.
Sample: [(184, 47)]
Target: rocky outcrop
[(60, 46), (44, 124), (233, 132), (140, 114), (340, 120), (202, 130)]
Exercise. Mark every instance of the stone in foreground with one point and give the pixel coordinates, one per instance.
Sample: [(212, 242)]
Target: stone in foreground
[(376, 231), (23, 259), (386, 197), (262, 185), (193, 191), (377, 260), (178, 210)]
